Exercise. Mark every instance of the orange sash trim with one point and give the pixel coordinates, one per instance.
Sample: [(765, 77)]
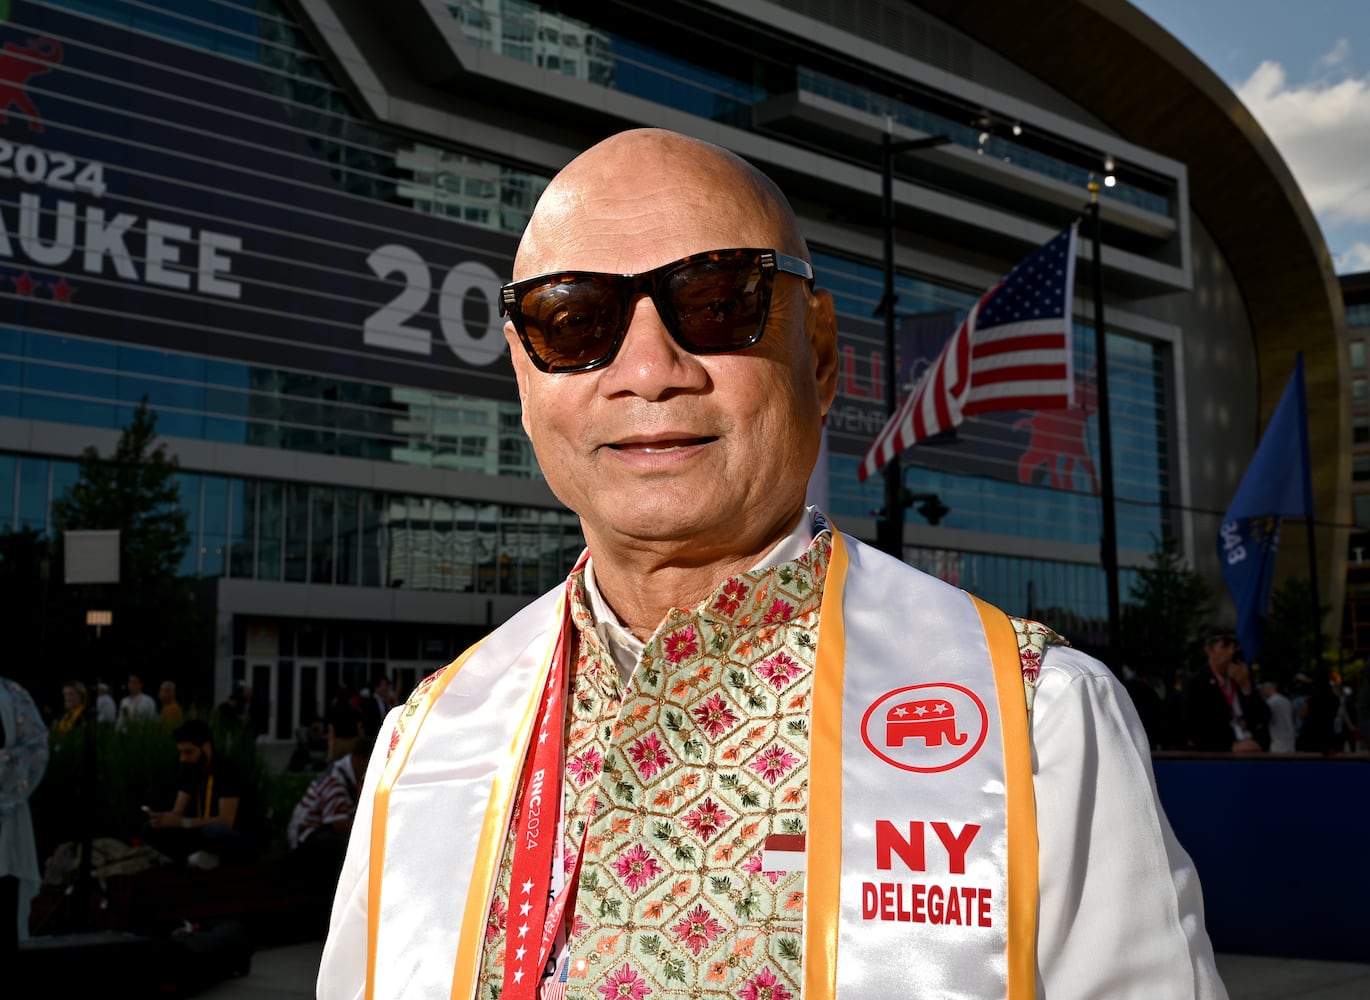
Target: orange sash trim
[(381, 811), (824, 848), (1021, 802)]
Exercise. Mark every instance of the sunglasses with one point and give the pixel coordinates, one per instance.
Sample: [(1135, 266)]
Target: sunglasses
[(710, 303)]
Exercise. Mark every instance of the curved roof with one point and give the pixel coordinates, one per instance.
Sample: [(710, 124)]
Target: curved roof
[(1239, 187)]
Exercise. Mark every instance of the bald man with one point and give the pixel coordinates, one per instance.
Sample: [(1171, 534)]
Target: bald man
[(738, 753)]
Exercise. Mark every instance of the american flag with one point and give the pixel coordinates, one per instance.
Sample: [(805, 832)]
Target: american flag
[(1012, 352)]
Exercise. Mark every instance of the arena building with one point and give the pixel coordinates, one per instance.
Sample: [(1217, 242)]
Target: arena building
[(284, 223)]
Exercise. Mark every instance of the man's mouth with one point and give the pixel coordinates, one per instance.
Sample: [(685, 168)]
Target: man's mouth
[(662, 446)]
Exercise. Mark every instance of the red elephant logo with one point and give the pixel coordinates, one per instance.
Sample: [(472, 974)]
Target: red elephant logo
[(930, 721), (18, 63), (925, 728)]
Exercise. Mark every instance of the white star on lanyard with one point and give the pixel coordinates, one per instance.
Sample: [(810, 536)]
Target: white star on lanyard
[(542, 736), (518, 975), (524, 908), (523, 930), (527, 887), (520, 953)]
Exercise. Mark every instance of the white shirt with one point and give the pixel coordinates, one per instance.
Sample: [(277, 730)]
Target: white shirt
[(136, 708)]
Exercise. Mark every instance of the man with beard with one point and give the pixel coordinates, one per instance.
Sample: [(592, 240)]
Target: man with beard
[(213, 819)]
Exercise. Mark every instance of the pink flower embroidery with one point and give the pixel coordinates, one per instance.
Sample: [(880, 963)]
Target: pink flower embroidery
[(753, 867), (714, 716), (649, 755), (773, 762), (681, 644), (626, 984), (764, 986), (778, 611), (706, 819), (1032, 663), (495, 922), (779, 670), (636, 867), (730, 599), (697, 929), (585, 767)]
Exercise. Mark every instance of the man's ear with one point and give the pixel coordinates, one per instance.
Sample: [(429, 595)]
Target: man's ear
[(821, 327), (523, 367)]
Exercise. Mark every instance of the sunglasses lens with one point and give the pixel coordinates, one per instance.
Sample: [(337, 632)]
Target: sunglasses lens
[(719, 303), (571, 324)]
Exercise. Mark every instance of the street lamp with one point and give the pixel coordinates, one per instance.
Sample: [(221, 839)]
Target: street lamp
[(890, 528)]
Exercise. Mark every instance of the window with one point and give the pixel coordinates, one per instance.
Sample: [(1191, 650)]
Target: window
[(1358, 393), (1361, 502), (1357, 354), (1360, 429), (1360, 467)]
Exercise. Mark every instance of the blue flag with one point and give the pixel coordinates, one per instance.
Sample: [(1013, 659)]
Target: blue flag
[(1277, 484)]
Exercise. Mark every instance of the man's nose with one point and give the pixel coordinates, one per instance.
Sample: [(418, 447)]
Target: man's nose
[(650, 363)]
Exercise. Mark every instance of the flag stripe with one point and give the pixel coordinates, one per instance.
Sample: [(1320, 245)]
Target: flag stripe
[(1012, 352)]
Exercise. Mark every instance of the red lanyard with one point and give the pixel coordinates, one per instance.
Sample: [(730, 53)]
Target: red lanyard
[(532, 923), (1229, 690)]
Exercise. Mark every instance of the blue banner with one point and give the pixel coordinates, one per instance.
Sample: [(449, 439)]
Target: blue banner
[(1277, 484)]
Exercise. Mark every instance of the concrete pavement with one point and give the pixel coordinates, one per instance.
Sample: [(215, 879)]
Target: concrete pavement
[(287, 973)]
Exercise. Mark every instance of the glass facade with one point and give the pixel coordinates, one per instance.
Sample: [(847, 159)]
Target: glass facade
[(260, 529), (327, 535), (551, 39)]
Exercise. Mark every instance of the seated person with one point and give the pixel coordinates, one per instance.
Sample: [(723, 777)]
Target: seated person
[(213, 817), (322, 821)]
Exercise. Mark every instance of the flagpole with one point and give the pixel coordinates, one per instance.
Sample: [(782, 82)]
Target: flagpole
[(1109, 538), (1307, 476), (889, 530)]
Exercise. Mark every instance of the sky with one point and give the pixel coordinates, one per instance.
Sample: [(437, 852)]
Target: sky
[(1302, 67)]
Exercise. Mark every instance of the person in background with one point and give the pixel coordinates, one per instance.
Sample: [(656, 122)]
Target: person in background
[(322, 820), (73, 710), (171, 715), (23, 758), (376, 704), (213, 819), (1222, 711), (345, 722), (1281, 718), (106, 711), (137, 706)]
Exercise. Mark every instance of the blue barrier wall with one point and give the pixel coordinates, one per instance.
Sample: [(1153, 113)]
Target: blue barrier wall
[(1282, 846)]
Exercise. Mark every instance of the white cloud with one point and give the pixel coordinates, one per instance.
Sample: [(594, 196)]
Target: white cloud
[(1322, 129), (1336, 56), (1353, 259)]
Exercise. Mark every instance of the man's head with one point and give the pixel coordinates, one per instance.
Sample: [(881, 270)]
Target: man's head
[(1221, 649), (166, 694), (194, 742), (135, 684), (664, 447), (73, 695)]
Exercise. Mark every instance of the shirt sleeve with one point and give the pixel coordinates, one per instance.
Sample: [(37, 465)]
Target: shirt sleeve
[(342, 969), (1121, 911), (24, 753)]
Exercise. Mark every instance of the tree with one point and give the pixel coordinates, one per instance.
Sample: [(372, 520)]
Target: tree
[(1292, 644), (134, 490), (25, 560), (1167, 612)]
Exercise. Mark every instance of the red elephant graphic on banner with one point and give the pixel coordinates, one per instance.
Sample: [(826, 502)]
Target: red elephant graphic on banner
[(931, 721), (17, 64), (1057, 439)]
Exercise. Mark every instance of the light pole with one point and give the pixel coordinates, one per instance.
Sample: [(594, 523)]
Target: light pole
[(1108, 543), (889, 531)]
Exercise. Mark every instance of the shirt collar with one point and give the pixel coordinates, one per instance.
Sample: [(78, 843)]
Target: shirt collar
[(626, 648)]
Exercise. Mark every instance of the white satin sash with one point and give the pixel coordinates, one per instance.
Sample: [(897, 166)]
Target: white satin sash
[(886, 915)]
